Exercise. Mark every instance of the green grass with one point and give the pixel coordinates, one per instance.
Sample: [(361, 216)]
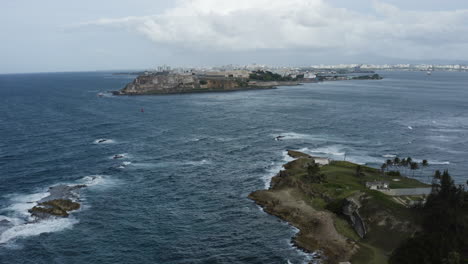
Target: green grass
[(368, 254), (342, 182), (344, 228)]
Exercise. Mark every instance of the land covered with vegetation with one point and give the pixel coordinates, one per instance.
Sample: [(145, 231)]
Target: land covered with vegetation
[(269, 76), (339, 216)]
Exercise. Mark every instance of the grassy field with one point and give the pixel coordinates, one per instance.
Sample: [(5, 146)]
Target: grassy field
[(341, 182)]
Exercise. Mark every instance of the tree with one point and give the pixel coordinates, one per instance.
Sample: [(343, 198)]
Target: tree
[(396, 161), (404, 163), (424, 164), (313, 173), (389, 163), (409, 160), (444, 225), (384, 166), (359, 171), (414, 166)]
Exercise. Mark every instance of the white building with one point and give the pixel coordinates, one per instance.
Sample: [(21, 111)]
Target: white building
[(377, 185)]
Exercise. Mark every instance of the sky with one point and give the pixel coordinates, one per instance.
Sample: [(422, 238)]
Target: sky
[(89, 35)]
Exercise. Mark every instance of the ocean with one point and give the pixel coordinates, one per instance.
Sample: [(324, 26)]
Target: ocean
[(178, 191)]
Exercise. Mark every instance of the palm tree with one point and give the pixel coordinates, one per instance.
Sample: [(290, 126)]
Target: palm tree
[(396, 161), (409, 160), (404, 163), (424, 164), (389, 163), (383, 167), (414, 166)]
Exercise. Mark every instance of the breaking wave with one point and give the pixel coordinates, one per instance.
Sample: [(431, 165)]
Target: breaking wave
[(274, 168), (16, 222), (103, 141)]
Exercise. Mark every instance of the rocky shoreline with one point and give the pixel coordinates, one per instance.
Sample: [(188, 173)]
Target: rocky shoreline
[(316, 230), (340, 218), (165, 83)]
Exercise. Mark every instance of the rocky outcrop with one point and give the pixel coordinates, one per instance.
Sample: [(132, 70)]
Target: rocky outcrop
[(58, 207), (351, 207), (317, 231), (59, 202), (167, 83)]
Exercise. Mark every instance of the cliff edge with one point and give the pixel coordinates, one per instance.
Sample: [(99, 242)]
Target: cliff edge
[(337, 215), (169, 83)]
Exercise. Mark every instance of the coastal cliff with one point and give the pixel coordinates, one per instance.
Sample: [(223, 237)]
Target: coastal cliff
[(167, 83), (336, 214)]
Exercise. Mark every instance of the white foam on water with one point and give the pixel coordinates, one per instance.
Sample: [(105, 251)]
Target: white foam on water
[(275, 168), (337, 152), (389, 156), (22, 225), (21, 203), (432, 162), (36, 228), (126, 163), (332, 150), (164, 164), (439, 162), (106, 141), (308, 257), (98, 181), (197, 163), (294, 135), (410, 127), (121, 156)]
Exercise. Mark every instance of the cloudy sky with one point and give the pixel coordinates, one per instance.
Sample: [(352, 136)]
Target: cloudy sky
[(87, 35)]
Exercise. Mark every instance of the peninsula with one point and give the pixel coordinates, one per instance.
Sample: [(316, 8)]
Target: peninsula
[(189, 81), (345, 211)]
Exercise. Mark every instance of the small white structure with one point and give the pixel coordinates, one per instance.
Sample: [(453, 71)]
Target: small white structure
[(377, 185), (321, 161)]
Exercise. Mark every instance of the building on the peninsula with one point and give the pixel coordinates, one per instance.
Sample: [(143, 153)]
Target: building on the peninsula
[(377, 185)]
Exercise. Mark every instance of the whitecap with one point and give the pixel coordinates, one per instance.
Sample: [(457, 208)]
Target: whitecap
[(293, 135), (433, 162), (120, 156), (36, 228), (21, 203), (104, 141), (389, 156), (275, 168), (333, 150), (98, 181), (410, 127), (17, 222), (197, 163)]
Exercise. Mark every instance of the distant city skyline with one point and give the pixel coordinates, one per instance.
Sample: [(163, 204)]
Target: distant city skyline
[(54, 36)]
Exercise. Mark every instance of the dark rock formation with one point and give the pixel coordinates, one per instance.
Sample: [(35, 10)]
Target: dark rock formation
[(351, 210), (58, 207), (168, 83), (58, 203)]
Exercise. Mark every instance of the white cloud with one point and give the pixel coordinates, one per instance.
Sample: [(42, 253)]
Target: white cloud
[(312, 25)]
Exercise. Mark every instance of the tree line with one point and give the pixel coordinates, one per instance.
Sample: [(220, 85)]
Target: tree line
[(444, 222), (405, 164)]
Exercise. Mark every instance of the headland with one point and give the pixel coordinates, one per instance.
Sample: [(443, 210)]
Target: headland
[(340, 209), (169, 82)]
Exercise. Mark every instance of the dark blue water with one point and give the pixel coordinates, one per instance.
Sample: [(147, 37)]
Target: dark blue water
[(179, 193)]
